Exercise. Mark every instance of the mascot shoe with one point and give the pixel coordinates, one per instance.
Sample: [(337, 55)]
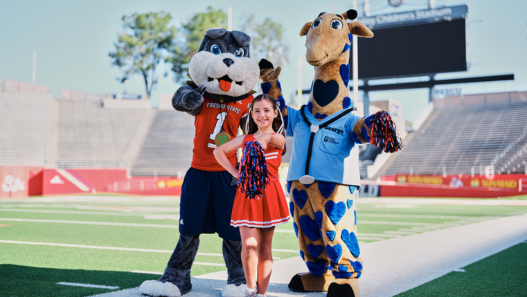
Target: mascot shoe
[(156, 288), (233, 291)]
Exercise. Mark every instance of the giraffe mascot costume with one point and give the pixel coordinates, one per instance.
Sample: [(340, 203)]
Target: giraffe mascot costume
[(322, 180)]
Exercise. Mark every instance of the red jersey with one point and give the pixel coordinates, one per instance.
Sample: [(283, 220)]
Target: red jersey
[(209, 122)]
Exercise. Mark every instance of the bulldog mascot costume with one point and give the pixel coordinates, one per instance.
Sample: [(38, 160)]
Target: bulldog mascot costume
[(218, 96)]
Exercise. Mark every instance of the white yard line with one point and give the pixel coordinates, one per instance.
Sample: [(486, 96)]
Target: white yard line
[(407, 216), (88, 286), (79, 212), (393, 223), (124, 249), (444, 201), (91, 223), (400, 232), (284, 231)]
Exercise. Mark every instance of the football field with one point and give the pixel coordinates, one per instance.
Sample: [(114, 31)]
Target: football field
[(86, 245)]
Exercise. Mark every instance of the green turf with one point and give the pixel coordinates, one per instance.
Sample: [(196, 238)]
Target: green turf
[(51, 264), (502, 274)]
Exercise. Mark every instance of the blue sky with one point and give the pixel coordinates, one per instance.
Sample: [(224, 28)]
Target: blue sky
[(72, 40)]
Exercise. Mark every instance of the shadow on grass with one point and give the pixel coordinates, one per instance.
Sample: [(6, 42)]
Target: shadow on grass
[(16, 280)]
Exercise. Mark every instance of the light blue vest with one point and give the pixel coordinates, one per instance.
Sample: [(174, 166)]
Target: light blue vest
[(330, 157)]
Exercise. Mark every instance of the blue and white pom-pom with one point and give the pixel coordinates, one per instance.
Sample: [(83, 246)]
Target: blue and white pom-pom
[(254, 175)]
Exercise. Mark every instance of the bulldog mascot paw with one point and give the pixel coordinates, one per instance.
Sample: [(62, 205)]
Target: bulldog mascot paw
[(219, 96)]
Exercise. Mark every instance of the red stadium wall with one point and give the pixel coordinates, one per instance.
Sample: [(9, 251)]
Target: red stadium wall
[(19, 181), (405, 185), (443, 191), (25, 181)]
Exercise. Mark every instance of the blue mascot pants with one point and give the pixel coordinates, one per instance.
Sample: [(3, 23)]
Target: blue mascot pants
[(206, 204)]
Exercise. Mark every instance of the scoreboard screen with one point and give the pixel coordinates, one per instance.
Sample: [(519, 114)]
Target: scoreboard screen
[(413, 50)]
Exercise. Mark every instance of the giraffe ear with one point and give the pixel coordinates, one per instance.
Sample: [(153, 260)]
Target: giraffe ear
[(359, 29), (305, 28)]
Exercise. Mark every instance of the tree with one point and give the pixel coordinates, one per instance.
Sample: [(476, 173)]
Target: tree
[(146, 41), (192, 33), (267, 40)]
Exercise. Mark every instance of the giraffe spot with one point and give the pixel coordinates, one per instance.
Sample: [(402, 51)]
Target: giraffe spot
[(320, 116), (329, 267), (349, 203), (316, 268), (346, 47), (318, 218), (334, 252), (338, 274), (309, 227), (345, 73), (352, 189), (357, 266), (351, 242), (325, 92), (367, 120), (289, 183), (343, 268), (358, 274), (326, 188), (355, 138), (315, 250), (300, 197), (292, 209), (302, 255), (310, 107), (364, 134), (346, 103), (331, 234), (296, 229), (285, 122), (266, 87), (279, 85), (335, 211), (350, 36)]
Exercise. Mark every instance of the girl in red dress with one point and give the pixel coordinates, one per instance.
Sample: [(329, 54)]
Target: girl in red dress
[(258, 217)]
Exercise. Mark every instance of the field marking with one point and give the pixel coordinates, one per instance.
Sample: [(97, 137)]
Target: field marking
[(434, 201), (88, 286), (401, 232), (91, 223), (376, 235), (375, 215), (394, 223), (76, 212), (146, 272), (124, 249), (283, 231), (459, 270)]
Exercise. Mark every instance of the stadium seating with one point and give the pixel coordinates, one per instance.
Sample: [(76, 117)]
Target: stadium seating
[(459, 139), (167, 149), (514, 158), (90, 136), (24, 126)]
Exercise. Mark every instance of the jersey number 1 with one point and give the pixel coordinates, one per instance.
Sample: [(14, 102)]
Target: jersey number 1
[(219, 123)]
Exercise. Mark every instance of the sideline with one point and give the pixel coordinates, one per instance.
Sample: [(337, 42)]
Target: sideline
[(394, 265)]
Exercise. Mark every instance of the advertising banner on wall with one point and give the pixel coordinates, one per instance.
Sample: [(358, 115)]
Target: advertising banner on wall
[(20, 181), (503, 182)]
